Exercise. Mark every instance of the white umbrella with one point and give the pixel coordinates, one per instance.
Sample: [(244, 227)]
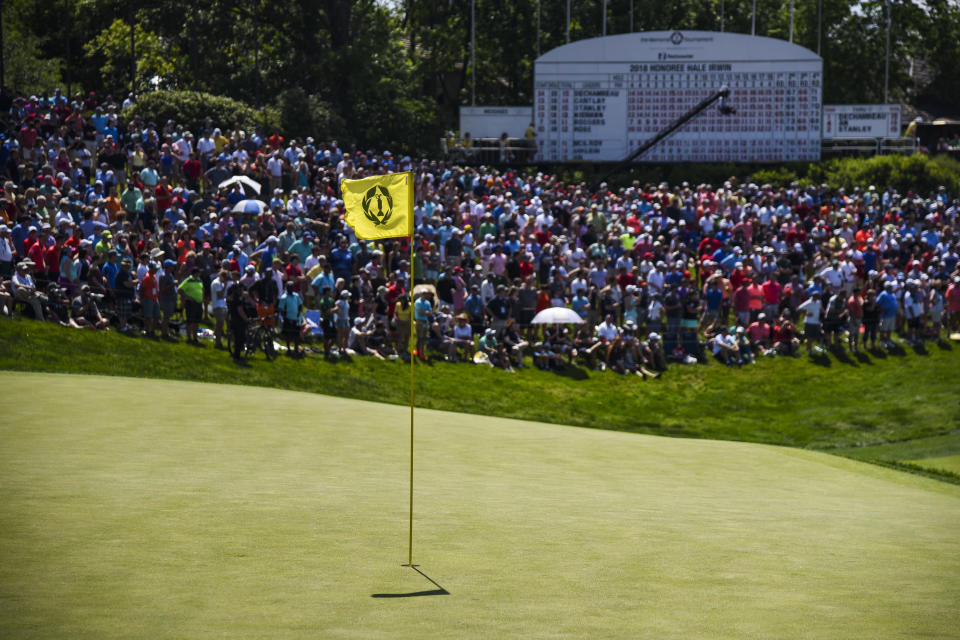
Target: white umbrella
[(557, 315), (253, 207), (241, 180)]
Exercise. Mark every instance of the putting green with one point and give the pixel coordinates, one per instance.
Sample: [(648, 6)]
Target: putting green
[(946, 463), (149, 509)]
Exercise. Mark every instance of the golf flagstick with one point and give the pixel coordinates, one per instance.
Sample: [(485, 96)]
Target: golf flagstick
[(411, 349)]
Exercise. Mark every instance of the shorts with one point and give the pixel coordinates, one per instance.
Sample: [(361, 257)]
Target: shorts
[(888, 324), (219, 313), (343, 323), (913, 323), (151, 309), (291, 328), (194, 310), (743, 317), (525, 316), (853, 326), (812, 331), (831, 326), (423, 328), (124, 307), (168, 306)]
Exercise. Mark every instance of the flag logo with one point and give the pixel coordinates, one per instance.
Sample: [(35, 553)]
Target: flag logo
[(378, 204)]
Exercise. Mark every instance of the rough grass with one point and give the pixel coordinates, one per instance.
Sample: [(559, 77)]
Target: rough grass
[(157, 509), (828, 403)]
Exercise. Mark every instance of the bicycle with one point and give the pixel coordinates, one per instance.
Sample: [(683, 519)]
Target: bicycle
[(261, 336)]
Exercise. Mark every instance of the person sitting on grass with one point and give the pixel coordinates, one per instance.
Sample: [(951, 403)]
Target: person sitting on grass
[(635, 353), (56, 308), (85, 311), (726, 349), (652, 353), (359, 339), (585, 346), (785, 340), (760, 335), (513, 342), (463, 338), (546, 355), (494, 351)]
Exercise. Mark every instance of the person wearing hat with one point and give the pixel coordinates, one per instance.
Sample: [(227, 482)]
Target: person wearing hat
[(150, 299), (25, 289), (167, 296), (218, 303), (6, 252), (423, 316), (496, 354), (341, 318), (105, 244), (191, 293), (266, 293), (889, 308), (85, 312), (124, 289), (952, 304), (811, 309), (726, 348)]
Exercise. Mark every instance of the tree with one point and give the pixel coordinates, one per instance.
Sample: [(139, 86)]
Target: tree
[(156, 62)]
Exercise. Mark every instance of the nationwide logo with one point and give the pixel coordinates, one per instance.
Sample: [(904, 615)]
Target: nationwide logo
[(676, 37), (378, 205)]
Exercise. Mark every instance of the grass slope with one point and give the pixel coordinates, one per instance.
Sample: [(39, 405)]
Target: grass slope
[(830, 403), (155, 509)]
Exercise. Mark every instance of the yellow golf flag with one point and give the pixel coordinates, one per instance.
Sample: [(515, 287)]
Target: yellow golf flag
[(380, 206)]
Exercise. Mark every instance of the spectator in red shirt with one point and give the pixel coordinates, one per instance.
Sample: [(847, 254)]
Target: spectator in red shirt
[(192, 170), (741, 303), (771, 296), (150, 300), (760, 334), (38, 251), (163, 195), (294, 272), (953, 305)]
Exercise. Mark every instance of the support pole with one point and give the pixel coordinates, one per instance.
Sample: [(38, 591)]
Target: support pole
[(886, 64), (473, 80), (410, 351)]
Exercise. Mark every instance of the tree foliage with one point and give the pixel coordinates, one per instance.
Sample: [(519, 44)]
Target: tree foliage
[(384, 72)]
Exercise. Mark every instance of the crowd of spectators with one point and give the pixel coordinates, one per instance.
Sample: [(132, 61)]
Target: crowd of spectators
[(113, 221)]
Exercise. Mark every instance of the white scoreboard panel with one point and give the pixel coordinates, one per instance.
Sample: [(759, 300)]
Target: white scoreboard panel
[(600, 99)]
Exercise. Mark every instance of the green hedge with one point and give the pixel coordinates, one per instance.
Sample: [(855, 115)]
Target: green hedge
[(919, 172), (191, 108)]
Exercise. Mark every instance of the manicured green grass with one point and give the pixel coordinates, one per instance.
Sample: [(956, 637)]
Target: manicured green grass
[(828, 403), (156, 509)]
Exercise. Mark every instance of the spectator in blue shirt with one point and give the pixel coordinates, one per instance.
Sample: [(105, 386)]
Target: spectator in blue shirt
[(887, 301)]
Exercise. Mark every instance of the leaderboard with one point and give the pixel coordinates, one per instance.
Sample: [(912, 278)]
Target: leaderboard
[(601, 111)]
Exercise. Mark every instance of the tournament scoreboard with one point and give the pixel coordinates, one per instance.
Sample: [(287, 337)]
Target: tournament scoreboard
[(598, 100)]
